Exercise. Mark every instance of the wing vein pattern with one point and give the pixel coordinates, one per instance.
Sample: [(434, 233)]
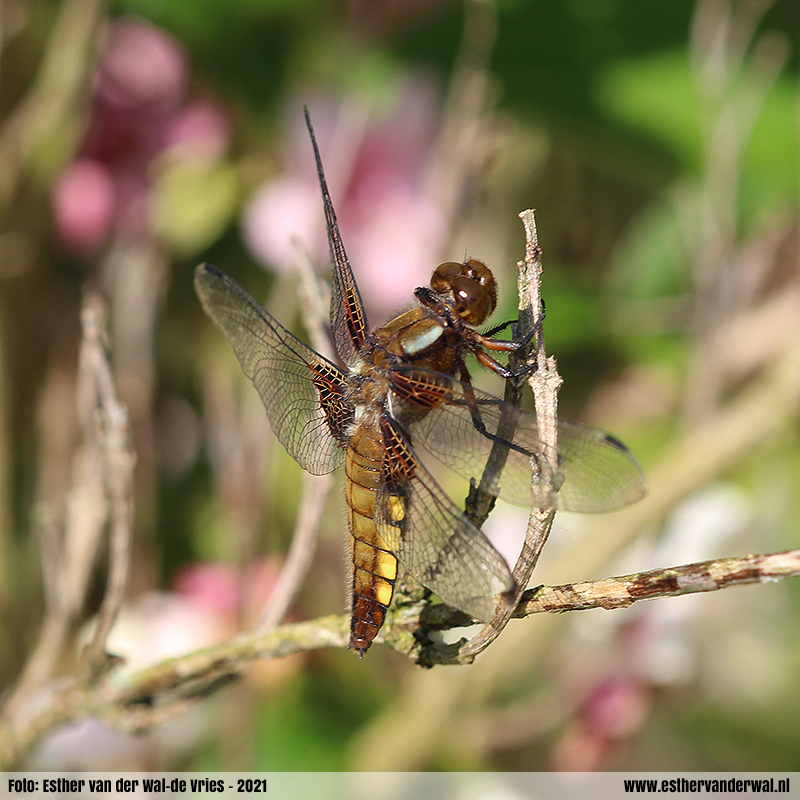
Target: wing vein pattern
[(302, 392), (595, 471), (432, 538)]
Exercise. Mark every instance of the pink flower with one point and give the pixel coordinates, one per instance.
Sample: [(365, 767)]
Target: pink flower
[(223, 588), (280, 212), (199, 130), (609, 716), (141, 67), (83, 201), (138, 113)]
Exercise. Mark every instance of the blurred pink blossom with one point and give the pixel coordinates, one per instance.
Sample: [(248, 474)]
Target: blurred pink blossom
[(280, 212), (138, 112), (392, 231), (615, 708), (141, 67), (159, 625), (610, 714), (198, 130), (225, 589), (83, 200)]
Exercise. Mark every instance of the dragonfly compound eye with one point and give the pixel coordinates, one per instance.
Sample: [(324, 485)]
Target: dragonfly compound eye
[(474, 303), (472, 287), (443, 276)]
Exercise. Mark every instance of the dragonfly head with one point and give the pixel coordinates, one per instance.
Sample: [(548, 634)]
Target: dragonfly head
[(470, 285)]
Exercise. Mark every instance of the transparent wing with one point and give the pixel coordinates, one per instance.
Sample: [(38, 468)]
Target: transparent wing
[(430, 535), (596, 471), (301, 390), (348, 319)]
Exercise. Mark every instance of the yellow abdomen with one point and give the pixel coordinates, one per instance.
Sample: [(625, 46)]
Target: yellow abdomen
[(374, 566)]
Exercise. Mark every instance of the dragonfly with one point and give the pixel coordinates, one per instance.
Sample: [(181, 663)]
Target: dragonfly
[(400, 389)]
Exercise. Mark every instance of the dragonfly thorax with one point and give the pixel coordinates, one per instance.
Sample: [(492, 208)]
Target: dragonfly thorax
[(419, 337)]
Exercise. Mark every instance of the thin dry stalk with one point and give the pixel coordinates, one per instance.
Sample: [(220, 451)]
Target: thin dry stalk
[(464, 140), (101, 493), (544, 382), (316, 488), (113, 441), (735, 69)]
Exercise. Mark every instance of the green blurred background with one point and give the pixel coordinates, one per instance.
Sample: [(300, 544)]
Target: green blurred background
[(659, 145)]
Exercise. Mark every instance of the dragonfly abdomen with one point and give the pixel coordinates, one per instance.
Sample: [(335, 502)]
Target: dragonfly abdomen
[(374, 565)]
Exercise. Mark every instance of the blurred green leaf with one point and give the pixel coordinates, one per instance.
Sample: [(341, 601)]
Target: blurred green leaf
[(771, 159), (193, 203), (650, 257), (656, 95)]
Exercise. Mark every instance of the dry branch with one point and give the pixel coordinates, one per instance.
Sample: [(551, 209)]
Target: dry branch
[(142, 699), (623, 591)]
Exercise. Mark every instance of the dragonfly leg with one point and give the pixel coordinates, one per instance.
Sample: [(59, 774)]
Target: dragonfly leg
[(477, 420)]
